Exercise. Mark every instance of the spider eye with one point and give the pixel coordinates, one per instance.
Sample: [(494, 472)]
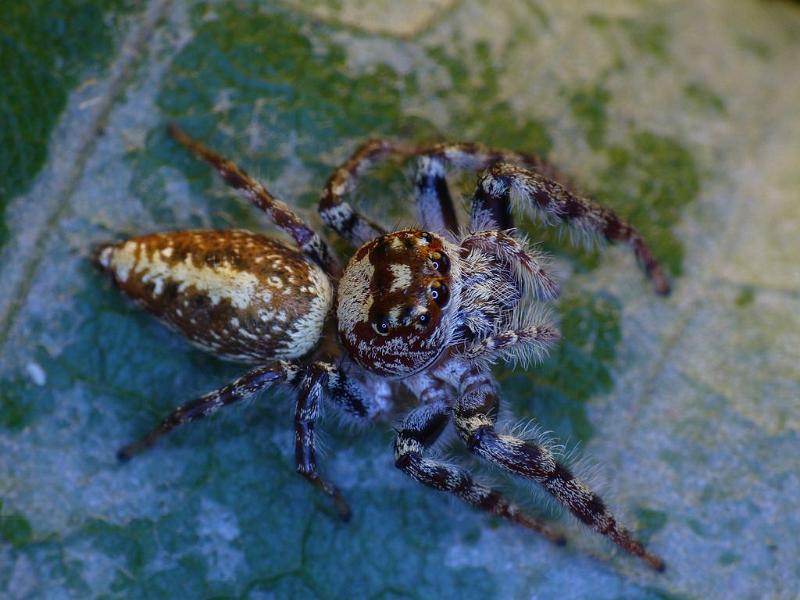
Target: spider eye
[(381, 326), (440, 261), (424, 318), (440, 293), (426, 236)]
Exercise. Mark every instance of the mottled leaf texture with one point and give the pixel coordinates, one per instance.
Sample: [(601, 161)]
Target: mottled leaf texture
[(683, 117)]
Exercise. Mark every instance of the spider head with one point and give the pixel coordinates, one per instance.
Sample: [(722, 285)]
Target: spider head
[(394, 305)]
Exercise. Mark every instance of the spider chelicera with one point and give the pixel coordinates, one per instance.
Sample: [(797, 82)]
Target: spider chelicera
[(428, 310)]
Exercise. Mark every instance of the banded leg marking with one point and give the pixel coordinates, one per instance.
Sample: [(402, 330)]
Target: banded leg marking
[(307, 411), (350, 396), (554, 203), (420, 429), (435, 208), (204, 406), (527, 344), (358, 229), (475, 416), (340, 215), (309, 242), (529, 266)]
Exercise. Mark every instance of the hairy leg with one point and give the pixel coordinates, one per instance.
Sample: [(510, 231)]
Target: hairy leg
[(324, 377), (305, 420), (358, 229), (204, 406), (475, 415), (555, 203), (350, 395), (525, 345), (434, 203), (338, 214), (419, 430), (309, 242), (528, 266)]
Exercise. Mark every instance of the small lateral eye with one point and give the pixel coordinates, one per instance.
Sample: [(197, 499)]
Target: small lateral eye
[(423, 318), (426, 236), (381, 326), (440, 261)]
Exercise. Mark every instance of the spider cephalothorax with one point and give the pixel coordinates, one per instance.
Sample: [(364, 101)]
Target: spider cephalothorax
[(403, 299), (395, 314), (429, 309)]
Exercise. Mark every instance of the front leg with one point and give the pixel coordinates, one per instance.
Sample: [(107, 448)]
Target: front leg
[(347, 394), (434, 202), (305, 422), (555, 203), (475, 417), (526, 345), (340, 215)]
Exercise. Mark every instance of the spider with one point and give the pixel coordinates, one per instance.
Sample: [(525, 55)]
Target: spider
[(428, 310)]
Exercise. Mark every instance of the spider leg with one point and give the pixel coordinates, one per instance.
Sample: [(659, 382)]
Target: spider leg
[(522, 344), (338, 214), (552, 202), (475, 416), (434, 203), (487, 212), (204, 406), (351, 396), (433, 198), (345, 393), (309, 242), (419, 431), (307, 412), (529, 266)]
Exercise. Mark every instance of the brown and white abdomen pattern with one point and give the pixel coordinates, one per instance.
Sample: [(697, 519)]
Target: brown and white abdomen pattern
[(240, 295)]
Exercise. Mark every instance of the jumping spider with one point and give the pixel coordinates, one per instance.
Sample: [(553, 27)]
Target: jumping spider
[(425, 309)]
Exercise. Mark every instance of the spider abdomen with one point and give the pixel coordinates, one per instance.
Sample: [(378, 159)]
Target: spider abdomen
[(240, 295)]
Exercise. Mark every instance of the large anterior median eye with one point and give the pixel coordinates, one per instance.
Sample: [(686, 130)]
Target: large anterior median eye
[(381, 326)]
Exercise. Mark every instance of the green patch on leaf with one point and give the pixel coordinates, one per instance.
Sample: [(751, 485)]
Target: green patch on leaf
[(589, 106), (45, 48), (758, 48), (577, 369), (644, 36), (649, 522), (704, 97), (729, 558), (649, 181), (486, 116), (16, 408), (745, 297), (15, 529), (281, 118)]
